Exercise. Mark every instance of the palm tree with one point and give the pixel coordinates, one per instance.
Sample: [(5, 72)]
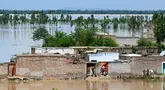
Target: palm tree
[(11, 19), (132, 24), (16, 19)]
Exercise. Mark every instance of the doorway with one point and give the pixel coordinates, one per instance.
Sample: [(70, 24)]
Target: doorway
[(163, 67), (105, 65), (11, 69), (89, 67)]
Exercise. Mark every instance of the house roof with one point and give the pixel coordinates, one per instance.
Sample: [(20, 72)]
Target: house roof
[(104, 56), (131, 55)]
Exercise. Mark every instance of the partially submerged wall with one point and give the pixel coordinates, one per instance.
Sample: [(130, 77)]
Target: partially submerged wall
[(119, 68), (138, 64), (54, 65), (3, 69)]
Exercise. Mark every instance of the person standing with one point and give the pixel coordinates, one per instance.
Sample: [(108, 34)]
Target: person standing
[(93, 71), (102, 70)]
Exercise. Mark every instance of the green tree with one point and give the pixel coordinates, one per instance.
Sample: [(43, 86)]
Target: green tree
[(132, 24), (16, 19), (54, 19), (32, 19), (62, 17), (42, 18), (79, 21), (103, 41), (83, 37), (40, 33), (60, 39), (11, 19), (145, 42), (159, 28), (23, 19)]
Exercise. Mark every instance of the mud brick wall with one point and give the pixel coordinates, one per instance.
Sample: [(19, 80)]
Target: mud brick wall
[(118, 68), (48, 66), (149, 62), (3, 69)]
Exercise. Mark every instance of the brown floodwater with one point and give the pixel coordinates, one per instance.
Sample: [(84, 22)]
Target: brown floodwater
[(83, 85)]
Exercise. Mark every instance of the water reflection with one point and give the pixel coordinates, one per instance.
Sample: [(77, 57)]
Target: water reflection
[(12, 86), (93, 85), (84, 85), (163, 86)]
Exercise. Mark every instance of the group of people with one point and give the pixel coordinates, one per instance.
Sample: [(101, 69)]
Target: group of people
[(147, 72), (93, 71)]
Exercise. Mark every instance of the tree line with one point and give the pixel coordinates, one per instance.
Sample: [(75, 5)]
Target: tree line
[(130, 22), (81, 11)]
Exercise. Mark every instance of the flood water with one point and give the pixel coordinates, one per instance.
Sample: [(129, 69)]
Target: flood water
[(84, 85), (18, 39)]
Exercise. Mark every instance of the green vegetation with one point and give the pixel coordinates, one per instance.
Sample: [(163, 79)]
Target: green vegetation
[(159, 28), (81, 37), (54, 89), (42, 17), (40, 33), (81, 11), (134, 49), (101, 41), (146, 42)]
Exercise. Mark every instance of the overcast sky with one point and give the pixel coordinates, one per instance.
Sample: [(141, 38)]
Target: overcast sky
[(83, 4)]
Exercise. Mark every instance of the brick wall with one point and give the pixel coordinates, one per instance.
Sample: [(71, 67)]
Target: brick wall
[(3, 69), (118, 68), (150, 62), (48, 66)]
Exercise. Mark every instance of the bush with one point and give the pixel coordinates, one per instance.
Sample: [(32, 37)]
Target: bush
[(101, 41), (162, 46), (81, 37), (134, 49), (59, 40), (145, 42)]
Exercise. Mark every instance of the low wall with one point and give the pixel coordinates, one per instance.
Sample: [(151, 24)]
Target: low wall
[(115, 68), (138, 64), (118, 68), (135, 66), (55, 66), (54, 50), (3, 69), (140, 50), (78, 50)]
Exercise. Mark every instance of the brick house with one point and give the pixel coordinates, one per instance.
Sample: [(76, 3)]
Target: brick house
[(48, 65)]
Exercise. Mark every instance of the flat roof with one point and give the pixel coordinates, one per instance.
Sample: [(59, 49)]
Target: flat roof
[(84, 47), (131, 55), (43, 54), (91, 62)]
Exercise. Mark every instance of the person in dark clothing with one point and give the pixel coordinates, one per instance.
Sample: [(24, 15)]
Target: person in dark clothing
[(93, 72), (147, 72), (102, 70)]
